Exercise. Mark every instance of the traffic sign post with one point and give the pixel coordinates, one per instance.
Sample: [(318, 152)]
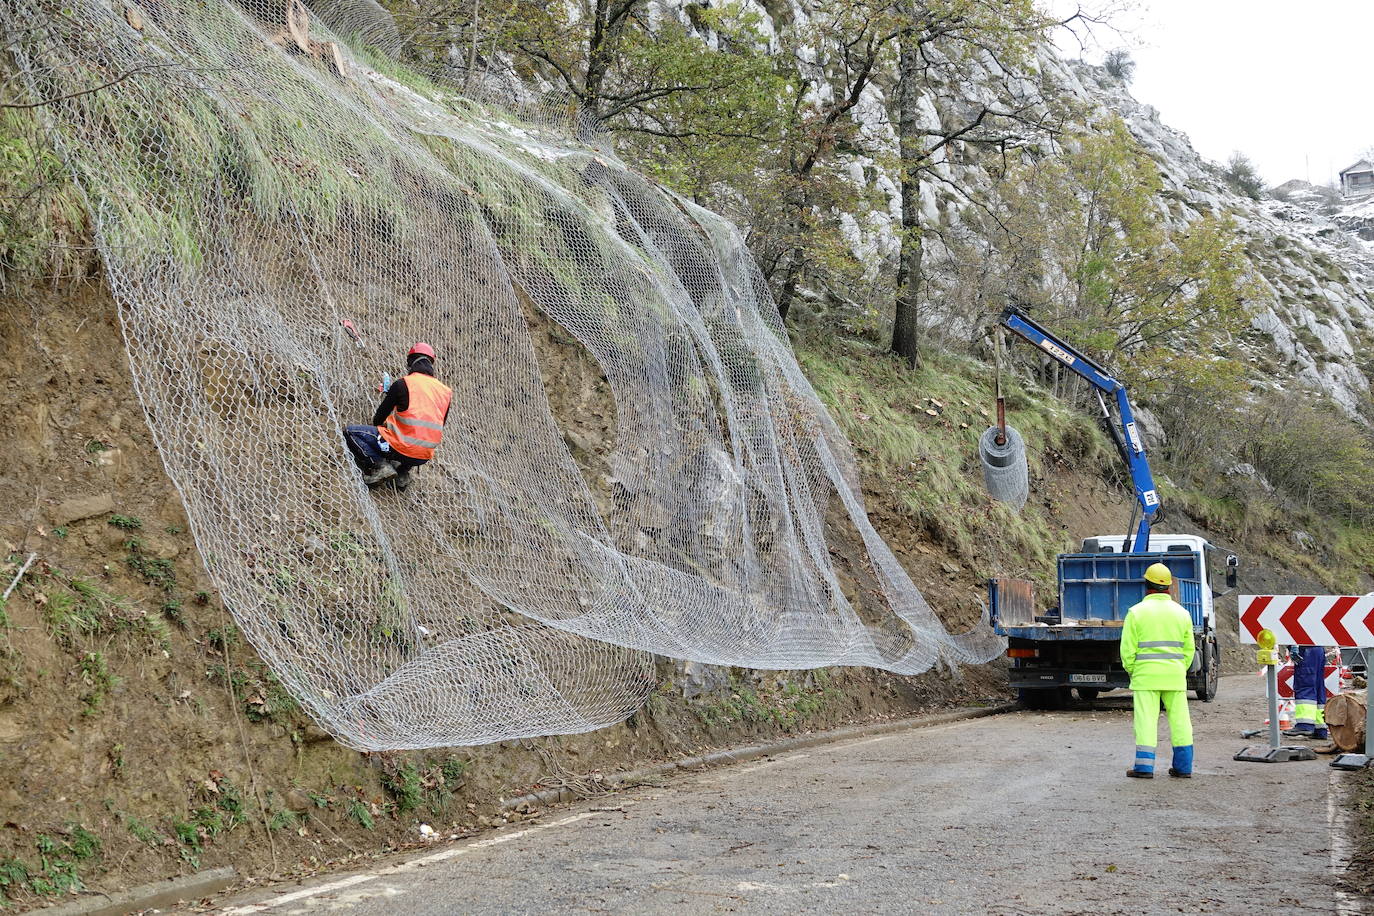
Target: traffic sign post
[(1346, 621), (1275, 752)]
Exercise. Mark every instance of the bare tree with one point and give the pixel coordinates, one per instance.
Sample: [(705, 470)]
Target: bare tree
[(1120, 64)]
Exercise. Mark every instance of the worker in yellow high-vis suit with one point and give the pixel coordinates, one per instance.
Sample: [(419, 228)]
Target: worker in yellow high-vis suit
[(1156, 650)]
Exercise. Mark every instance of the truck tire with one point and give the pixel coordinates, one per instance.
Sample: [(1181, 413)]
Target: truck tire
[(1210, 677), (1041, 697)]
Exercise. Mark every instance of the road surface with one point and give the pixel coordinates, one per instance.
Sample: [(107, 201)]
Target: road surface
[(1022, 813)]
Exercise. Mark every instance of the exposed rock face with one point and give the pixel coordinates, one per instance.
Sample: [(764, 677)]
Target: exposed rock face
[(1313, 257), (1316, 314)]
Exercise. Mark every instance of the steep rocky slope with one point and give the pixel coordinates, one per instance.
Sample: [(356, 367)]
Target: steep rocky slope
[(1314, 318)]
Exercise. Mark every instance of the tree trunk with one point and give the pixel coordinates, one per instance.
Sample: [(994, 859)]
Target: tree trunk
[(906, 331), (792, 261), (788, 291)]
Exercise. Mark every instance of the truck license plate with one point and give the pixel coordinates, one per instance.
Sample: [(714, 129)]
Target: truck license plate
[(1087, 678)]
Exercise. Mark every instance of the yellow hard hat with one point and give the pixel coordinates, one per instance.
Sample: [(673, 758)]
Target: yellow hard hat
[(1159, 574)]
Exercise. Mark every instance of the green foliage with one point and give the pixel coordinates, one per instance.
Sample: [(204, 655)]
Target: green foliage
[(142, 832), (270, 701), (14, 876), (453, 770), (94, 671), (155, 571), (42, 221), (358, 810), (403, 785), (706, 143), (1317, 456), (264, 698), (56, 871), (76, 609), (126, 522), (785, 705), (220, 810), (1159, 307), (223, 638), (283, 819)]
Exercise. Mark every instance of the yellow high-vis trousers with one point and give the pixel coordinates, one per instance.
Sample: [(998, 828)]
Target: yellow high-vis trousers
[(1147, 703), (1309, 712)]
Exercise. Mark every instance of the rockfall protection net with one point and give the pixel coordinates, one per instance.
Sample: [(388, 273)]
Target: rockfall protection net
[(253, 182), (1005, 472)]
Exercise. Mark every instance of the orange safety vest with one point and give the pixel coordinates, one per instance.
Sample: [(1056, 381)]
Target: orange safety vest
[(417, 431)]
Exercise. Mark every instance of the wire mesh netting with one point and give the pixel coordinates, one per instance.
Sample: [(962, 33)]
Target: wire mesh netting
[(1006, 473), (254, 181)]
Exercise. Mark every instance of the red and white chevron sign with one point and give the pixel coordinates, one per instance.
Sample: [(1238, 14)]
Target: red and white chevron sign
[(1332, 676), (1309, 620)]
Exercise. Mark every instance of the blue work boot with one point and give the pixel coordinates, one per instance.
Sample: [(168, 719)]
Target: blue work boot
[(1183, 762), (1144, 763), (1319, 733)]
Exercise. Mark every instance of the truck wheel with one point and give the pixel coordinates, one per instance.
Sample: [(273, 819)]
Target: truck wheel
[(1087, 694), (1211, 670), (1040, 698)]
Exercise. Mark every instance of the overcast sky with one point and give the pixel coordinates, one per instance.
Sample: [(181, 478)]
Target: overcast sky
[(1287, 83)]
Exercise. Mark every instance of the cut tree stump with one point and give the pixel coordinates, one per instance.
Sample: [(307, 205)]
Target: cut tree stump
[(292, 20), (329, 52), (1345, 718)]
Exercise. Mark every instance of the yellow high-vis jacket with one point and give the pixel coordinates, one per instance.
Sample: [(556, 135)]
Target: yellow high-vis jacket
[(1157, 644)]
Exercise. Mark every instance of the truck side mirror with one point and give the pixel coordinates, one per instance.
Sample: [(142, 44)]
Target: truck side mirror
[(1232, 570)]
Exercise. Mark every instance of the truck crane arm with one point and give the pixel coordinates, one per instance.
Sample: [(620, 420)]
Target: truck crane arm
[(1127, 438)]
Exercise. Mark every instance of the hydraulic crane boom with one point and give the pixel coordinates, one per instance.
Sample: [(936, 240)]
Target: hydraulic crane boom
[(1127, 438)]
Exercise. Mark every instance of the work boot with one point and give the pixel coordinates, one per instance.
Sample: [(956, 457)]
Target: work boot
[(402, 479), (1321, 734), (1140, 774), (1182, 767), (379, 473), (1299, 731)]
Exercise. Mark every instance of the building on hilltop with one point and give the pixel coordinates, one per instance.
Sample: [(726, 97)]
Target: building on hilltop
[(1358, 179)]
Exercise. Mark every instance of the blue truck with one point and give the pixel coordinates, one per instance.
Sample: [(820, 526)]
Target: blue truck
[(1075, 644)]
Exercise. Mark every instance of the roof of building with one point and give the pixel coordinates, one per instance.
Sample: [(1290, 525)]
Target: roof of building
[(1362, 166)]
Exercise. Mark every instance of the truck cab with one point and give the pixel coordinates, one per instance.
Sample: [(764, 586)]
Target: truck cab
[(1075, 645)]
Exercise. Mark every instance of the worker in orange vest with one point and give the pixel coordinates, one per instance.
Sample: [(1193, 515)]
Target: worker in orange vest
[(408, 425)]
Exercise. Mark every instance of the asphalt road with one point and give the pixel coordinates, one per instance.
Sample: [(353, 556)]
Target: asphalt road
[(1020, 813)]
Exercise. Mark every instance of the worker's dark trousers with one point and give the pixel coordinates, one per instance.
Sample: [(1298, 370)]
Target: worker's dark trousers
[(369, 449), (1309, 690)]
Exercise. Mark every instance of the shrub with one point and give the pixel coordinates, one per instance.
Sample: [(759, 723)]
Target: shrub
[(1241, 175), (1120, 65)]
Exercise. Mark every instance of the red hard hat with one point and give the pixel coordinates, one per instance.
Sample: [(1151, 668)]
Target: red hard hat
[(421, 349)]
